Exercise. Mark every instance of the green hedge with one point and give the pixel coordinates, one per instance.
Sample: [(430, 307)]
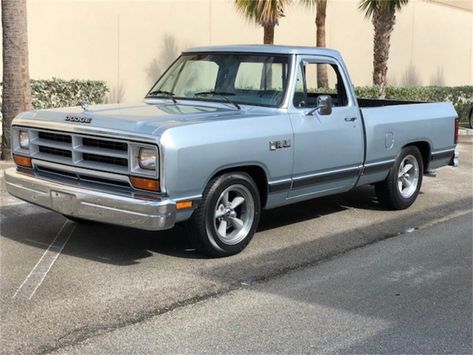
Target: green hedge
[(63, 93), (460, 96), (60, 93)]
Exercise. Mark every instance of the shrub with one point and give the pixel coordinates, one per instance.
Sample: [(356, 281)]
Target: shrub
[(60, 93), (460, 96)]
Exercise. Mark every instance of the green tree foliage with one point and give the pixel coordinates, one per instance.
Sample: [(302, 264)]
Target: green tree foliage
[(265, 13)]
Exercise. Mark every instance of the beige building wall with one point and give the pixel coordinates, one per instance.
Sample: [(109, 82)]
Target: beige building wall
[(128, 43)]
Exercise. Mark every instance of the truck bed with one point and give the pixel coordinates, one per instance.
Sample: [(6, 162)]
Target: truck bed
[(390, 126), (385, 102)]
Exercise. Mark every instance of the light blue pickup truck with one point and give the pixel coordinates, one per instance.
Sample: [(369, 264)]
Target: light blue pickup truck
[(225, 132)]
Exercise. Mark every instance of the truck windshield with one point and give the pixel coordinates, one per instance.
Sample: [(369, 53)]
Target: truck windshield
[(235, 79)]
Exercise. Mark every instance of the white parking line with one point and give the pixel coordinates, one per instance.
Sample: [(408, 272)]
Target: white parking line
[(37, 275)]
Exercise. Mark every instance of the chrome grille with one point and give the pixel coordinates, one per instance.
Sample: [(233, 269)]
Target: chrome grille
[(81, 151)]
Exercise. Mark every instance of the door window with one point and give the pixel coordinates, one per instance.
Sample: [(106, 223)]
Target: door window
[(314, 79)]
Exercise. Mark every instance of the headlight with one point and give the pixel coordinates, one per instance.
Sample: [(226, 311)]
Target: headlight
[(147, 159), (24, 140)]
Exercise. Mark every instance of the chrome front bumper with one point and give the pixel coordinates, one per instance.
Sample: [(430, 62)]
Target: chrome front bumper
[(80, 202)]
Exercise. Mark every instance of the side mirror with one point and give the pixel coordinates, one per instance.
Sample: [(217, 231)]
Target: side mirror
[(324, 106)]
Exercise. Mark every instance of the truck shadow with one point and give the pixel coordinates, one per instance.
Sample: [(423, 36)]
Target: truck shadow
[(126, 246), (362, 197)]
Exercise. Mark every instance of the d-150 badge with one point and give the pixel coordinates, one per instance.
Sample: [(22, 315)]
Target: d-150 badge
[(273, 145)]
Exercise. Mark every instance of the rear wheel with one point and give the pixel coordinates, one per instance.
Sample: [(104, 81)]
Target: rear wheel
[(228, 214), (401, 187)]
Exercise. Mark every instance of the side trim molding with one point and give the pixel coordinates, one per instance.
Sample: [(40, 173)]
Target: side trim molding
[(314, 179), (326, 176), (278, 186), (378, 167)]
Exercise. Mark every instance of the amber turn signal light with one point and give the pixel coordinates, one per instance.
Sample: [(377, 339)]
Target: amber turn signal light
[(183, 204), (23, 161), (144, 184)]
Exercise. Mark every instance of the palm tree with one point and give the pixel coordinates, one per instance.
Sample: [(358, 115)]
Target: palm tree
[(265, 13), (383, 16), (16, 81), (320, 15)]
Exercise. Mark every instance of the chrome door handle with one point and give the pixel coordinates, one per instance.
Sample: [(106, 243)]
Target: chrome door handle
[(350, 119)]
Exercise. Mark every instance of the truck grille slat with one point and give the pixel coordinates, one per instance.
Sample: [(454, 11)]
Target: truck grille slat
[(56, 172), (55, 151), (52, 172), (102, 151), (95, 179), (55, 137), (98, 143), (52, 144), (104, 159)]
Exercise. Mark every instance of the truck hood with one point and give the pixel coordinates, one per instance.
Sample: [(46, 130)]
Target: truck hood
[(138, 119)]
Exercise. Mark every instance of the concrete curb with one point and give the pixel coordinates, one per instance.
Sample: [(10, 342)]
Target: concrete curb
[(5, 164), (465, 131)]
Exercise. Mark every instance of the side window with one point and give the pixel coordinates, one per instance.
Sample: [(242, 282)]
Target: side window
[(315, 79)]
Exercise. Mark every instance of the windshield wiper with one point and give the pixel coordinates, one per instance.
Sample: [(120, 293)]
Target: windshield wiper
[(222, 94), (166, 94)]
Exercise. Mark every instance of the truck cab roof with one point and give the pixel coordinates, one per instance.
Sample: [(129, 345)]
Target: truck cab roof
[(270, 49)]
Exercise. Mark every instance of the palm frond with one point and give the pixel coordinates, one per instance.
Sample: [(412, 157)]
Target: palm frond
[(370, 6), (263, 12)]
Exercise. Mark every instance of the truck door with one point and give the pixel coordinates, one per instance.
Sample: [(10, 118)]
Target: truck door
[(328, 149)]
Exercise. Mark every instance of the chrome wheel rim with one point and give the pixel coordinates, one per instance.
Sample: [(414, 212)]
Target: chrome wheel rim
[(234, 214), (408, 176)]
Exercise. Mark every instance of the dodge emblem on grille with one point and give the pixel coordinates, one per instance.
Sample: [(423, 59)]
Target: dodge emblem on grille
[(78, 119)]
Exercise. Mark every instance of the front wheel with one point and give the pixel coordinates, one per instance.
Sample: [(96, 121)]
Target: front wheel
[(228, 214), (401, 187)]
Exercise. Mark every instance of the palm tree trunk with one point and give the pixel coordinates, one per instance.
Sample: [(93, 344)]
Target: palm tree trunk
[(16, 81), (383, 22), (322, 78), (268, 34)]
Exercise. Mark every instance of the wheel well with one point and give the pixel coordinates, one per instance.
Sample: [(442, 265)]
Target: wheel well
[(257, 174), (424, 149)]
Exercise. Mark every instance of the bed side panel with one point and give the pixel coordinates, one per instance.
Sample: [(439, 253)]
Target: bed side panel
[(390, 128)]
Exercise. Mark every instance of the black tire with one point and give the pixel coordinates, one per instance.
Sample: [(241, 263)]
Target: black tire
[(203, 223), (388, 191)]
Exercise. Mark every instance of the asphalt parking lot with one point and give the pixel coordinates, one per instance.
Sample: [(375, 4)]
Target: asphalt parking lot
[(63, 283)]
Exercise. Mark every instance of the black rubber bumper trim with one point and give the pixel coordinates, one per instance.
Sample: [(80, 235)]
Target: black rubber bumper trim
[(442, 155)]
